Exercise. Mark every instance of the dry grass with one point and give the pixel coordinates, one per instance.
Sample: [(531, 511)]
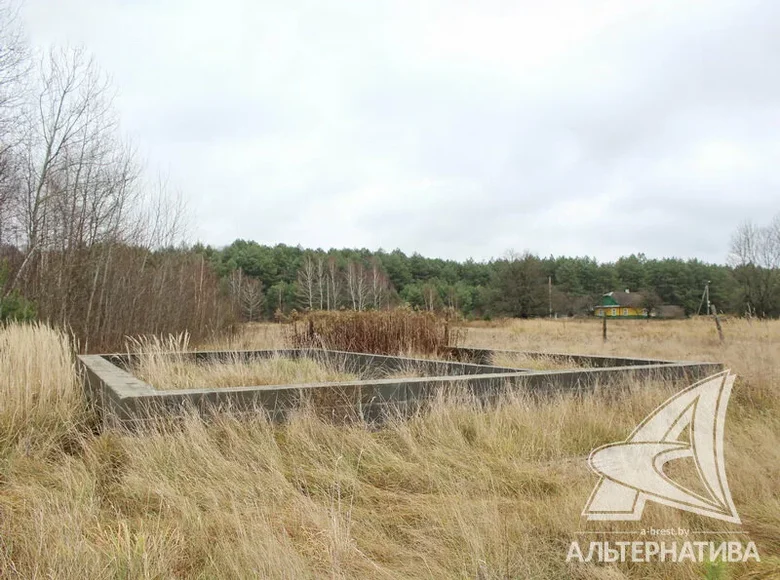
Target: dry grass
[(252, 336), (180, 374), (751, 348), (458, 493), (538, 363), (164, 364), (39, 398), (694, 339)]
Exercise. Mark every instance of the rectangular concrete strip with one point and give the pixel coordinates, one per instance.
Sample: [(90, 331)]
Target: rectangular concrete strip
[(124, 399)]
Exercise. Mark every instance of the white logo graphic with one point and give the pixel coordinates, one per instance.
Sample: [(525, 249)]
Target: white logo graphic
[(632, 471)]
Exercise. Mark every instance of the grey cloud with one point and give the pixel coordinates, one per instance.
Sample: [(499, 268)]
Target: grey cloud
[(381, 124)]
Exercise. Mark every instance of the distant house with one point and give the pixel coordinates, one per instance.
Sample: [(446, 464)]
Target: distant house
[(621, 305)]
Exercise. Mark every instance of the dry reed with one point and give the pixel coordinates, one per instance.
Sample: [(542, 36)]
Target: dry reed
[(389, 332)]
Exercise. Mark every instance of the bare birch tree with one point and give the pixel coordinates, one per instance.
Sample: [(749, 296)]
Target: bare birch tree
[(380, 285), (430, 296), (755, 256), (333, 284), (252, 299), (357, 285), (247, 294), (66, 148), (321, 280), (307, 282)]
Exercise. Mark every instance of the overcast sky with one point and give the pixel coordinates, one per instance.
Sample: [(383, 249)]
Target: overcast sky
[(455, 129)]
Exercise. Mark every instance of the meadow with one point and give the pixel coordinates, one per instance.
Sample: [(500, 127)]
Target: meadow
[(460, 492)]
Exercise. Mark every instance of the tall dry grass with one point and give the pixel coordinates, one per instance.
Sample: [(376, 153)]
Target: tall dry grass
[(461, 492), (751, 347), (39, 394)]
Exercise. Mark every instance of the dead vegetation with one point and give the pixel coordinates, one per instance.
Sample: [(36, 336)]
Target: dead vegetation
[(521, 360), (389, 332), (461, 492), (166, 364)]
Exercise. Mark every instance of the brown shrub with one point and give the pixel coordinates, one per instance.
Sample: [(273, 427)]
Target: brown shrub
[(389, 332)]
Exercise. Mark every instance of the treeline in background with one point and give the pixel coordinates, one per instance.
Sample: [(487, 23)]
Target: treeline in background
[(272, 281)]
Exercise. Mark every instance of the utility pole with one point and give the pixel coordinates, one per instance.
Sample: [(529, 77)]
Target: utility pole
[(705, 297)]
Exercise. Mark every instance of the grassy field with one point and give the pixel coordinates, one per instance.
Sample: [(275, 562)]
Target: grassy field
[(458, 493)]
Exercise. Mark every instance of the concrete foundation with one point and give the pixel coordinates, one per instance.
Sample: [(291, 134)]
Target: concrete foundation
[(121, 398)]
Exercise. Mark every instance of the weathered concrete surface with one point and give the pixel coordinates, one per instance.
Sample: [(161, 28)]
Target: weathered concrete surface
[(365, 365), (122, 398), (484, 356), (110, 388)]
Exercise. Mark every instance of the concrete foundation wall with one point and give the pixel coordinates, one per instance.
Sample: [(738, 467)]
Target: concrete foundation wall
[(484, 356), (365, 365), (123, 399)]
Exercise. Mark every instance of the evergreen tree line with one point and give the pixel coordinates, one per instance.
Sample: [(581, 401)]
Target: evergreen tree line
[(285, 278)]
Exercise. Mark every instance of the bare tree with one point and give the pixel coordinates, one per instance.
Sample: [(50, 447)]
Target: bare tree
[(333, 291), (160, 216), (247, 294), (755, 256), (321, 279), (68, 150), (235, 281), (14, 69), (82, 223), (357, 285), (380, 285), (307, 282), (430, 296), (10, 185), (453, 299), (14, 73)]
